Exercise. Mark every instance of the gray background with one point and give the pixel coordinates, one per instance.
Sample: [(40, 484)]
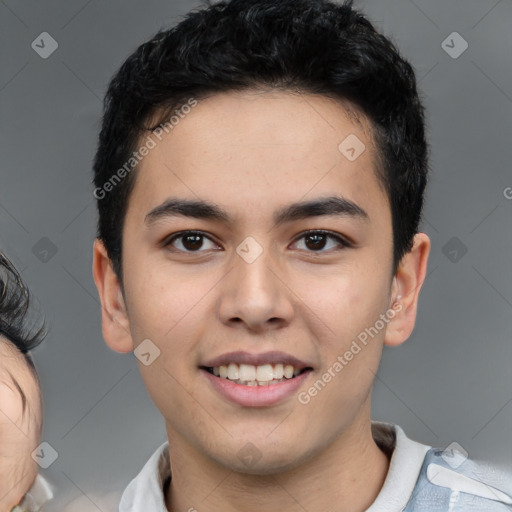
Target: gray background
[(451, 381)]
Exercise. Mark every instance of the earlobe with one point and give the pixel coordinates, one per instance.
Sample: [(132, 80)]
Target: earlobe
[(405, 291), (114, 317)]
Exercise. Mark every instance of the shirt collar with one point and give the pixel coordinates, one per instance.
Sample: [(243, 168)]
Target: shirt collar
[(38, 494), (404, 469), (145, 492)]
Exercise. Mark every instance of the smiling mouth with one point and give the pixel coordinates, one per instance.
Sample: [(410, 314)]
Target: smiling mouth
[(251, 375)]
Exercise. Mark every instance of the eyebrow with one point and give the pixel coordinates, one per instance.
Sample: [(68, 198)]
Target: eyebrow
[(200, 209)]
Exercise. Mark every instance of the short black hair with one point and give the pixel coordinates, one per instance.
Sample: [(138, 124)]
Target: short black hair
[(15, 300), (308, 46)]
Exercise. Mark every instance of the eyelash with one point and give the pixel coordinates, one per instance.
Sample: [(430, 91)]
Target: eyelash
[(329, 234)]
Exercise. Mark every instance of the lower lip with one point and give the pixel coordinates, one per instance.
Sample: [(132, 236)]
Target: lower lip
[(256, 396)]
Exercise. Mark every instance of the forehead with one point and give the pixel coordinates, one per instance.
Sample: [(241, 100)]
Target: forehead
[(253, 150), (18, 385)]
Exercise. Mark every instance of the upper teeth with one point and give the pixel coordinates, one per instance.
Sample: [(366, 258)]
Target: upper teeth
[(249, 372)]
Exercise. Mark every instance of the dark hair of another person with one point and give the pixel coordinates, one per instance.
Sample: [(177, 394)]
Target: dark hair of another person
[(304, 46), (15, 301)]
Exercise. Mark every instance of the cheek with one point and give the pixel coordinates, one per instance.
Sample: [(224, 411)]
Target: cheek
[(167, 309), (343, 302), (159, 301)]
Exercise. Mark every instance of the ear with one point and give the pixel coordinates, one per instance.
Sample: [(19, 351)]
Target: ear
[(114, 317), (405, 291)]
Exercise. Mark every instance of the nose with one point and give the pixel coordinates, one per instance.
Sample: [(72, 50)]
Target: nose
[(255, 294)]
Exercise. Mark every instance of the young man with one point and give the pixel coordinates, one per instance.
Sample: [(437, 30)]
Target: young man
[(21, 413), (259, 180)]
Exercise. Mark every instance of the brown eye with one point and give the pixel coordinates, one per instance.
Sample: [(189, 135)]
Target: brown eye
[(316, 241), (190, 241)]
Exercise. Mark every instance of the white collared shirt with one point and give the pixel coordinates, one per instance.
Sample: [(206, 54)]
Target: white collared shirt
[(420, 478), (35, 498)]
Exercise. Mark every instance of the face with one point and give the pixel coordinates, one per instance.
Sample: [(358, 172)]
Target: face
[(20, 425), (285, 259)]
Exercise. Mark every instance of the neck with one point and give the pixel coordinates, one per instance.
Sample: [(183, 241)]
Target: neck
[(348, 475)]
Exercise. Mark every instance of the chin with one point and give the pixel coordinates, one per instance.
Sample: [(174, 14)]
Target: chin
[(265, 462)]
